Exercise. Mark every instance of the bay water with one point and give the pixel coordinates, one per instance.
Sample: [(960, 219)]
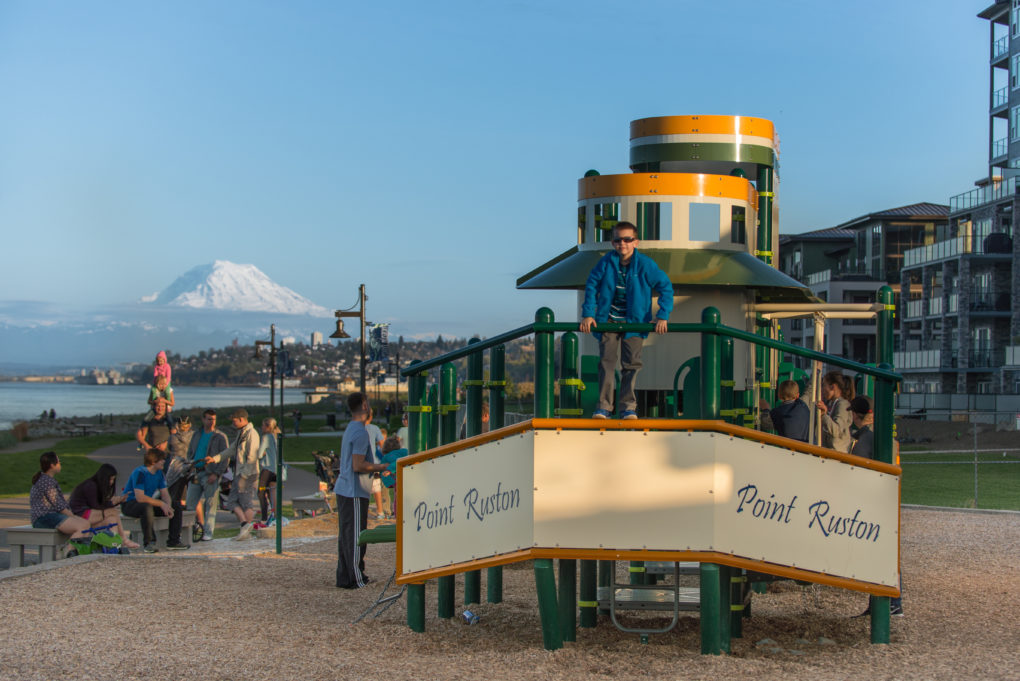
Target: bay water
[(20, 401)]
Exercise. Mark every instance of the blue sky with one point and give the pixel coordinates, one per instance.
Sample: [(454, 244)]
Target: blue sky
[(431, 149)]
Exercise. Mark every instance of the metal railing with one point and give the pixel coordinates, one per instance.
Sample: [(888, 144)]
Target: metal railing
[(990, 192), (918, 359), (1000, 147), (1000, 97), (914, 309), (1000, 47), (819, 277), (941, 250)]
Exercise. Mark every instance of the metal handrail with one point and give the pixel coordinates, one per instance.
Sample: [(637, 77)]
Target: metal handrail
[(716, 329)]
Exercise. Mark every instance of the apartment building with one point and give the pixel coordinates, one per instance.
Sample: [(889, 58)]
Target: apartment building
[(961, 318), (848, 263)]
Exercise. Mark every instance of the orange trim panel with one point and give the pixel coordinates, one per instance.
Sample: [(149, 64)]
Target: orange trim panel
[(666, 184), (715, 125)]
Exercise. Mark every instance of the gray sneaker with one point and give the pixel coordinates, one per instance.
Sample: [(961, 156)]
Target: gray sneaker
[(150, 548), (245, 531)]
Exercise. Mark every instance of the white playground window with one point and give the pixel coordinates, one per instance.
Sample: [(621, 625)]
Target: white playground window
[(703, 221)]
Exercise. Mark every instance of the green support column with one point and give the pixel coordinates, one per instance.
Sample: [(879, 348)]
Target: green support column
[(880, 626), (738, 582), (545, 578), (765, 197), (473, 396), (416, 437), (726, 383), (589, 593), (497, 415), (711, 362), (416, 607), (433, 417), (568, 599), (725, 573), (713, 619), (606, 575), (711, 623), (447, 417), (636, 572)]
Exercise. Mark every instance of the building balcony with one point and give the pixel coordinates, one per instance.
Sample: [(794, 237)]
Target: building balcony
[(914, 309), (995, 191), (918, 360), (1000, 48), (993, 244), (1000, 98), (988, 301), (1000, 149), (986, 358), (819, 277)]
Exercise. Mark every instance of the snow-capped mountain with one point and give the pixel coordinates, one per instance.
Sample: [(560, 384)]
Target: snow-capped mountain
[(223, 285)]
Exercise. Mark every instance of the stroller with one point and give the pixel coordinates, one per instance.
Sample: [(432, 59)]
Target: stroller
[(327, 467)]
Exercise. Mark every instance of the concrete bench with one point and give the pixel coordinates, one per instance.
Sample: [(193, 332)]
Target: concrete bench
[(47, 542), (161, 526), (310, 504)]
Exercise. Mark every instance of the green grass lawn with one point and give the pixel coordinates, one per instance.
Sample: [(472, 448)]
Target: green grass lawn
[(17, 468), (951, 483)]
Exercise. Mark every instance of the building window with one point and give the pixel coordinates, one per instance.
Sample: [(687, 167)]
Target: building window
[(582, 220), (738, 225), (1014, 20), (1014, 72), (650, 217), (606, 217), (704, 222), (1014, 124)]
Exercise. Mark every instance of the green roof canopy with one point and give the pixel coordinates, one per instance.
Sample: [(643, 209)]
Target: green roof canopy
[(686, 268)]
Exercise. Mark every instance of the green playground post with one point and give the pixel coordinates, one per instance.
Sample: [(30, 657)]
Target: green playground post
[(497, 415), (545, 578), (589, 593), (433, 419), (473, 397), (416, 435), (446, 586), (710, 620), (726, 381), (568, 599), (606, 575), (884, 406), (738, 579)]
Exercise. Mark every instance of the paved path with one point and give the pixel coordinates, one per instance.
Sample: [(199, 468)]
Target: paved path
[(27, 445), (125, 457)]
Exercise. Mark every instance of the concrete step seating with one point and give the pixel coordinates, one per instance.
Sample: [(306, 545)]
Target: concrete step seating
[(161, 527), (49, 543)]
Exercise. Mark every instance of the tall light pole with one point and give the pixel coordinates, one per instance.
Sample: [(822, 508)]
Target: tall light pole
[(340, 333), (279, 454)]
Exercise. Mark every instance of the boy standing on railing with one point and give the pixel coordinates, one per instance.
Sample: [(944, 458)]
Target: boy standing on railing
[(619, 290)]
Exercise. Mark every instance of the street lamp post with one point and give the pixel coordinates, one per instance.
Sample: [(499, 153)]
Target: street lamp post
[(279, 454), (340, 333)]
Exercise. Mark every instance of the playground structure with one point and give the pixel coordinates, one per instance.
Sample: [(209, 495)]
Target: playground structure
[(698, 493)]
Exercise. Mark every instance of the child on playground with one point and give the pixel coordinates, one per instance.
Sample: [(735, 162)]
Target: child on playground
[(792, 418), (619, 289)]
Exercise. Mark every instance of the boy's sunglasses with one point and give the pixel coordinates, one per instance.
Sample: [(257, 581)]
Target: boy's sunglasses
[(624, 239)]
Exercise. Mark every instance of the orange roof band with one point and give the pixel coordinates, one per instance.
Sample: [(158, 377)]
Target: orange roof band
[(715, 125), (667, 184)]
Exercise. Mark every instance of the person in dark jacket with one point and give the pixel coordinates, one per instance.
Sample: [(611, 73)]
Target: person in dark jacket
[(96, 500), (792, 418), (862, 411), (619, 290)]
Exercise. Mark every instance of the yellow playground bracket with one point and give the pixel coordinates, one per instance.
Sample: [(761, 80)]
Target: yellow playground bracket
[(669, 490)]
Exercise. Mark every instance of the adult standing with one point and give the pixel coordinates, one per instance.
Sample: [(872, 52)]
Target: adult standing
[(837, 391), (49, 508), (245, 453), (175, 468), (268, 453), (352, 492), (155, 432), (203, 492)]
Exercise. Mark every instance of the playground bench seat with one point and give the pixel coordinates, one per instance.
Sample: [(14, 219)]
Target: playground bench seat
[(161, 527), (310, 504), (46, 541)]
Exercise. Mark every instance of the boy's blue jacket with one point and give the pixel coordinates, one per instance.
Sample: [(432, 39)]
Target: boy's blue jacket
[(644, 276)]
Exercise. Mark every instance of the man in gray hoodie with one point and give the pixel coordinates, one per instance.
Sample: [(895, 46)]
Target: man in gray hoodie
[(245, 452), (203, 491)]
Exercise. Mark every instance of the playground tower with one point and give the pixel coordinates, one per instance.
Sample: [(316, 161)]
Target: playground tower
[(703, 193)]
